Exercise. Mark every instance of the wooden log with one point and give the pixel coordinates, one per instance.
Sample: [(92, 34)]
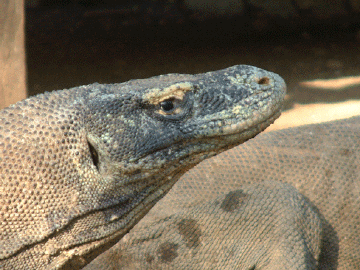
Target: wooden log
[(12, 52)]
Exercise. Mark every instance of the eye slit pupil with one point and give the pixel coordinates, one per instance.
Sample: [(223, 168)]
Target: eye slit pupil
[(167, 105)]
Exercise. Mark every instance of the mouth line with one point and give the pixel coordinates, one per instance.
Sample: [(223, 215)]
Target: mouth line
[(238, 129), (228, 128), (258, 124)]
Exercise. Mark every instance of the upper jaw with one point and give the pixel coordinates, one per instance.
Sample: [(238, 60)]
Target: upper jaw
[(245, 114)]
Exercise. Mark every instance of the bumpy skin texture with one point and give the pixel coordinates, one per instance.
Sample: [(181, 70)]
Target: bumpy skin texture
[(260, 226), (288, 199), (80, 167)]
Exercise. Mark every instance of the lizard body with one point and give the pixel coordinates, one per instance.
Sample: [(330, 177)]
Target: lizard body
[(80, 167), (244, 215)]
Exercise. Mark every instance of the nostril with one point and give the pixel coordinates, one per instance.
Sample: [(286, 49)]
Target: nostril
[(263, 81)]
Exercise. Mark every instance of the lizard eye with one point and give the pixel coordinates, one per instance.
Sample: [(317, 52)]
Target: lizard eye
[(172, 107), (167, 106)]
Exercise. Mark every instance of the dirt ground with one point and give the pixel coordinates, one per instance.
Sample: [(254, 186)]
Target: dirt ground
[(322, 70)]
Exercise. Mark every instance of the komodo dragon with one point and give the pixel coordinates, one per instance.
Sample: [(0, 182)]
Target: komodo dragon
[(243, 210), (80, 167)]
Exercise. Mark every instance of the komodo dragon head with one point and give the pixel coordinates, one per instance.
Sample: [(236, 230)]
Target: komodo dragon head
[(80, 167)]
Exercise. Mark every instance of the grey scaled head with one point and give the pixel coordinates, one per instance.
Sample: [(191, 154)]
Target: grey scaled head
[(162, 126)]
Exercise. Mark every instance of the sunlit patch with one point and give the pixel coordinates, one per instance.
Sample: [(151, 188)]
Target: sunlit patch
[(333, 84), (316, 113), (175, 91)]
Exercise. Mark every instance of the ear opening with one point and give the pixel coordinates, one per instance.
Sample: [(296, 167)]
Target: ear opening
[(94, 155)]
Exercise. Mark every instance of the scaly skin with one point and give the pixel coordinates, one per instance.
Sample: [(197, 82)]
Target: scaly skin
[(288, 199), (80, 167)]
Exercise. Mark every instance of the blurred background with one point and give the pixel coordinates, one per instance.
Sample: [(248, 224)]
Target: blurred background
[(313, 45)]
